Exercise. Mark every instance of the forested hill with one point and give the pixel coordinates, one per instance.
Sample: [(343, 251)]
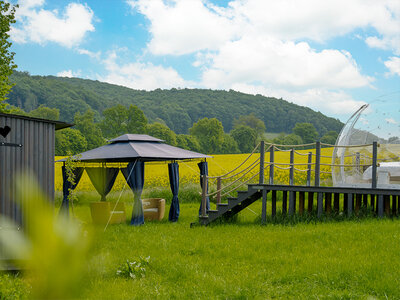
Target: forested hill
[(178, 108)]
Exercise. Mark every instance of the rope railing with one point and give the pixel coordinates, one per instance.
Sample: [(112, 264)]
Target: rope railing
[(291, 146), (344, 165), (232, 182), (254, 150), (281, 150), (301, 170), (281, 168), (229, 177), (241, 184), (348, 146), (302, 154)]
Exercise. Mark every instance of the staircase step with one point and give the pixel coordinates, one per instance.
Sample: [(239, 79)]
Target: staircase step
[(234, 205)]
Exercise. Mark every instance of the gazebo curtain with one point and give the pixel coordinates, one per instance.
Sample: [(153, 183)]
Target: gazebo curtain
[(173, 170), (203, 166), (102, 179), (67, 186), (134, 175)]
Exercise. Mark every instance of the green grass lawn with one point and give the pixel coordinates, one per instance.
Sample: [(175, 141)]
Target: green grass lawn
[(355, 259)]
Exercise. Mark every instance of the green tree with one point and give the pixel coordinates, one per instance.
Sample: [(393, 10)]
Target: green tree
[(115, 121), (330, 137), (251, 121), (306, 131), (7, 65), (137, 121), (209, 133), (292, 139), (69, 141), (45, 112), (188, 142), (163, 132), (89, 129), (228, 145), (245, 138)]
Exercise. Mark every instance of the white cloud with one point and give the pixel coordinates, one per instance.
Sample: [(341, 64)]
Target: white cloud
[(69, 73), (393, 64), (186, 26), (95, 55), (183, 27), (328, 102), (138, 75), (281, 64), (37, 25)]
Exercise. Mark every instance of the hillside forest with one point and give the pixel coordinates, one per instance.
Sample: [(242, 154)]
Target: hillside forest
[(206, 121)]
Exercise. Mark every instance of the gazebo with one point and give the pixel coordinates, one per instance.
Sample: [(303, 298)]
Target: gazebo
[(135, 150)]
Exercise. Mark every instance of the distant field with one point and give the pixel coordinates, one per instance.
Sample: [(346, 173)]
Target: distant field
[(271, 135), (156, 174)]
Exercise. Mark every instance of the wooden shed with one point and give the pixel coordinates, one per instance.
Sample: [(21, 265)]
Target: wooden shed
[(26, 144)]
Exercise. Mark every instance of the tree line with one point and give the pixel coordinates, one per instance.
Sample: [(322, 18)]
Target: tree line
[(179, 109), (207, 135)]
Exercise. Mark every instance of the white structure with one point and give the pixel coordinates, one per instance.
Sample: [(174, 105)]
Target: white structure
[(377, 122)]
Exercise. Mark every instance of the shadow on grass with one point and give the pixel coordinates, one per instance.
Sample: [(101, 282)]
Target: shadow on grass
[(305, 218)]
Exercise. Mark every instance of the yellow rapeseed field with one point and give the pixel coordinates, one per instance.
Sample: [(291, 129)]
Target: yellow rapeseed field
[(156, 174)]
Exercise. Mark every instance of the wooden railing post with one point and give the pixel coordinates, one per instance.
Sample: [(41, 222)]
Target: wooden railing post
[(309, 168), (262, 158), (204, 196), (374, 164), (219, 185), (320, 208), (291, 182), (271, 167), (317, 163)]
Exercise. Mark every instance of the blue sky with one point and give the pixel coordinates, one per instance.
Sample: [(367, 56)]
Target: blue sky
[(332, 56)]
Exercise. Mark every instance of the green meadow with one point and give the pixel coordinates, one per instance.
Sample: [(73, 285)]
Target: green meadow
[(332, 259)]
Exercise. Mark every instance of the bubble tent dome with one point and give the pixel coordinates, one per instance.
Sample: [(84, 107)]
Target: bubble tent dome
[(375, 122)]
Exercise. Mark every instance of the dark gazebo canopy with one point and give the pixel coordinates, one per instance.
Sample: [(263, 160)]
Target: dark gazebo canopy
[(136, 149), (131, 147)]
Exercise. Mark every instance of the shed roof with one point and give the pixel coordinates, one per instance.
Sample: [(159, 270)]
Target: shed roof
[(58, 124)]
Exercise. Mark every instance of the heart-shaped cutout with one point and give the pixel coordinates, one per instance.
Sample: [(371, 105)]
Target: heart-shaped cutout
[(5, 131)]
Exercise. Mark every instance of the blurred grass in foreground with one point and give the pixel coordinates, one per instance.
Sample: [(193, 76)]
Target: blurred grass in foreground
[(51, 250)]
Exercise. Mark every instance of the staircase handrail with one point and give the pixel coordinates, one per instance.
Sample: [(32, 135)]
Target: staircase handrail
[(233, 182), (254, 150)]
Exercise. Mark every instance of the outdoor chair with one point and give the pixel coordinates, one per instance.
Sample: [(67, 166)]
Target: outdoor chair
[(101, 212), (153, 209)]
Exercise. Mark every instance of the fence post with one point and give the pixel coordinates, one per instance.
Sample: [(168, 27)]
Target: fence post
[(271, 167), (374, 163), (320, 208), (262, 158), (219, 184), (349, 205), (204, 196), (317, 162), (291, 181), (309, 168)]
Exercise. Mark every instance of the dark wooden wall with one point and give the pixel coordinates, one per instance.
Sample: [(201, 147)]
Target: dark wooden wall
[(36, 156)]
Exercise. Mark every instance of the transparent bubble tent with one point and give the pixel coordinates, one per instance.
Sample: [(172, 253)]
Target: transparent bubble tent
[(377, 122)]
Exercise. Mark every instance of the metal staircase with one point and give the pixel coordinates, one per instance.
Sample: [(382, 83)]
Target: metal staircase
[(226, 210)]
